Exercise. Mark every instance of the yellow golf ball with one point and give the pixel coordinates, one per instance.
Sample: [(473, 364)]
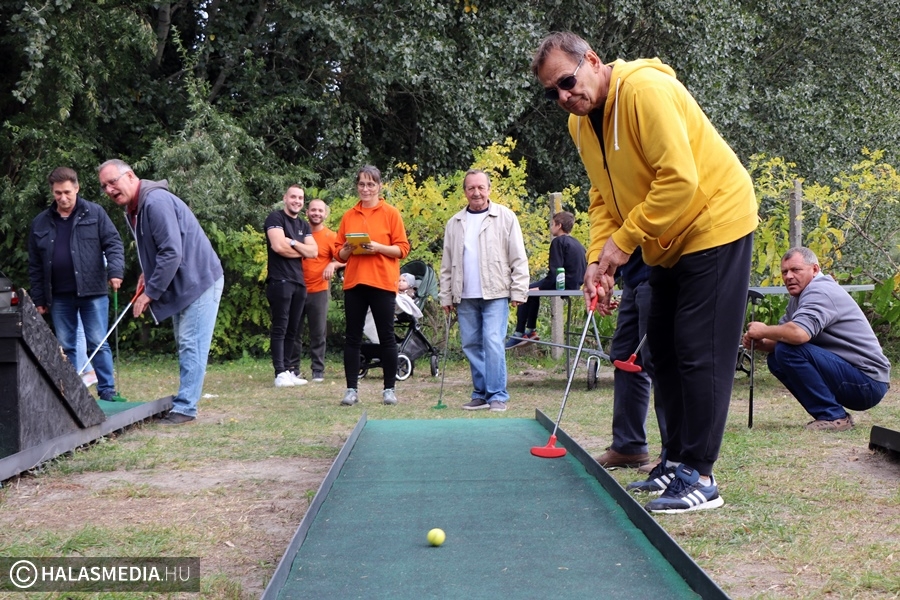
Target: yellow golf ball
[(436, 537)]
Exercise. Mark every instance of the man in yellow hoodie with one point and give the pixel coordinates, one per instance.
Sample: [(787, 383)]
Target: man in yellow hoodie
[(662, 178)]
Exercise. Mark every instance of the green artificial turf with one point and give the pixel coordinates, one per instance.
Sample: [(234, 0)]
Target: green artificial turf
[(517, 526)]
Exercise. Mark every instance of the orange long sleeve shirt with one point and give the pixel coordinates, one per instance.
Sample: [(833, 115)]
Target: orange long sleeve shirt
[(384, 225), (313, 268)]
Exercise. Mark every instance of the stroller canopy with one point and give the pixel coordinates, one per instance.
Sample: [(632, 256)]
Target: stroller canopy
[(426, 281)]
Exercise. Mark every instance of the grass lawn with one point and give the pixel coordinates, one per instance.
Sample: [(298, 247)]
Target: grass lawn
[(806, 515)]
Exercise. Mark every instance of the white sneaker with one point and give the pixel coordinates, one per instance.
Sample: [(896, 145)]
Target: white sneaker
[(285, 379), (297, 379)]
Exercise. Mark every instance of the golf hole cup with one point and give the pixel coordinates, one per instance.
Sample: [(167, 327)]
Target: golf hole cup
[(436, 537)]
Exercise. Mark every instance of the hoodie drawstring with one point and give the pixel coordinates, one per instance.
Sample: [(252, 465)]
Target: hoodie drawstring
[(616, 116)]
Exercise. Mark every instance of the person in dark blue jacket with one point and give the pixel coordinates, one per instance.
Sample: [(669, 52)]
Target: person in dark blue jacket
[(74, 253), (631, 391), (180, 272), (566, 253)]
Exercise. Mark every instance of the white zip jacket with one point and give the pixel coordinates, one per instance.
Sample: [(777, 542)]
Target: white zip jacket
[(504, 264)]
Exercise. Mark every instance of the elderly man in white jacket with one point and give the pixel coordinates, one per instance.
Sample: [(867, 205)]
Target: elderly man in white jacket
[(484, 269)]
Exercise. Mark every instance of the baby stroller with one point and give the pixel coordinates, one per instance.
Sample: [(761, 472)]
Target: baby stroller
[(411, 341)]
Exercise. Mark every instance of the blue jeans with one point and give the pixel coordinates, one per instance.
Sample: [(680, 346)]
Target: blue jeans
[(94, 312), (823, 382), (194, 328), (81, 350), (482, 327), (631, 391)]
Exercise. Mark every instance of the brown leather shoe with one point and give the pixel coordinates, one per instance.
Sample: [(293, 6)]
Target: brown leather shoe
[(650, 465), (837, 425), (616, 460)]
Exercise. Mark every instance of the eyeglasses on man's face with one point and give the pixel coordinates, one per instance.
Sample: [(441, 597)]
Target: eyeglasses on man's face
[(104, 186), (565, 84)]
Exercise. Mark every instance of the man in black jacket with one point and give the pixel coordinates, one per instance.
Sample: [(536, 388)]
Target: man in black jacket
[(566, 253), (74, 251)]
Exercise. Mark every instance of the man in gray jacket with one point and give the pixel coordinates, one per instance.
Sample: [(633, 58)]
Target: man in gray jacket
[(823, 348), (181, 273), (484, 269), (73, 252)]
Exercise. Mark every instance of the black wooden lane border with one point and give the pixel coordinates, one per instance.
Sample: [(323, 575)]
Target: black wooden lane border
[(684, 565)]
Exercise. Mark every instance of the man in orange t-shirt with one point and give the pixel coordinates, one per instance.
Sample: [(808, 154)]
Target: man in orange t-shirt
[(317, 272)]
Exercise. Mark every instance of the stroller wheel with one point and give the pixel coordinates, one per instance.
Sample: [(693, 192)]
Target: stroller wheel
[(435, 365), (404, 367), (363, 365), (744, 361), (593, 373)]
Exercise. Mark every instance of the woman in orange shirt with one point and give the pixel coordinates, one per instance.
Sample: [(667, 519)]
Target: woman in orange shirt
[(370, 278)]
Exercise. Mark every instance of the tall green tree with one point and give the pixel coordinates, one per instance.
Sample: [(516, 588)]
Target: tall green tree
[(233, 100)]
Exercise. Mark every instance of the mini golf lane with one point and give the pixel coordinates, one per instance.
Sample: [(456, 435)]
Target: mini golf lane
[(517, 526)]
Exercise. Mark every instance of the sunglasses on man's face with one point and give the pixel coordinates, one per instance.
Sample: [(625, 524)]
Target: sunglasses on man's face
[(565, 84)]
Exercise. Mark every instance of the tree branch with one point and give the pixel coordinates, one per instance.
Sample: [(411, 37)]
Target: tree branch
[(230, 62)]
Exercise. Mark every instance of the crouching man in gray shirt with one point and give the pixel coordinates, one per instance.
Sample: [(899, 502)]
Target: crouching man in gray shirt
[(823, 348)]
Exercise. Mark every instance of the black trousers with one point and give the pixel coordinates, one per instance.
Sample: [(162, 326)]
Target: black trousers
[(286, 300), (696, 318), (631, 391), (357, 301)]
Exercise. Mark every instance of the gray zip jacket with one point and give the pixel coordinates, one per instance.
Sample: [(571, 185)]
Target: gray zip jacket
[(176, 257)]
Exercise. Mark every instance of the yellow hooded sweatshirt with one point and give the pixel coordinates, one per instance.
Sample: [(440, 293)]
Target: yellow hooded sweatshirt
[(669, 183)]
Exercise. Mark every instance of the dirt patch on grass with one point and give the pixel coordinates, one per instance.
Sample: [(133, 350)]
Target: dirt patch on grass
[(245, 512), (791, 497)]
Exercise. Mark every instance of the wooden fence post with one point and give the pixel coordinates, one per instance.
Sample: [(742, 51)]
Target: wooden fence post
[(557, 323), (795, 232)]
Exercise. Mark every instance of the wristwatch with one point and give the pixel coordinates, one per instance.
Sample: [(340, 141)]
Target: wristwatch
[(293, 243)]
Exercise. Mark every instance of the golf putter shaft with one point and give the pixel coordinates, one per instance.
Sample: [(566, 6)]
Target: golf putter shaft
[(111, 329), (116, 362), (634, 354), (754, 298), (587, 323), (440, 403)]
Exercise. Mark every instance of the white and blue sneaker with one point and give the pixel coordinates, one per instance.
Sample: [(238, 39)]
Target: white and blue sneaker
[(657, 482), (685, 493)]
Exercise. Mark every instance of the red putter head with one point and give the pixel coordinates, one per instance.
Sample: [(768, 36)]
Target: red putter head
[(628, 365), (550, 450)]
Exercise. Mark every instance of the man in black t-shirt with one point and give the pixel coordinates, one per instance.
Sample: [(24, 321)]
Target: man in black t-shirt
[(289, 240), (566, 253)]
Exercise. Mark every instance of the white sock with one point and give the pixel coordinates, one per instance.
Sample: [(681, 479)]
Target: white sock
[(705, 480)]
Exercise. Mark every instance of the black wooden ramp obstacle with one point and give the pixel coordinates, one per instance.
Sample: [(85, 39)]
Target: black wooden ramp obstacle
[(885, 440), (45, 409), (517, 526)]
